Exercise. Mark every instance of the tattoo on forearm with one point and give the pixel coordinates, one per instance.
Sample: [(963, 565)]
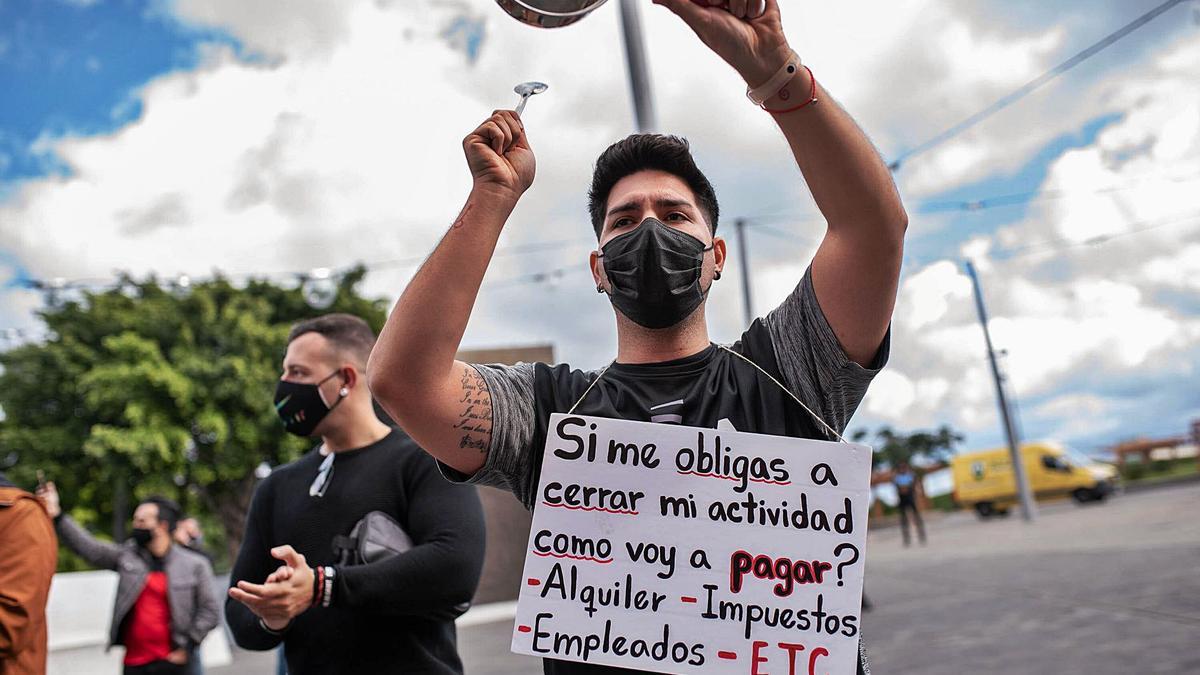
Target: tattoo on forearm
[(462, 216), (475, 420)]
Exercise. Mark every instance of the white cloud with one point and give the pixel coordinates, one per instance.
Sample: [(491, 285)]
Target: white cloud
[(294, 29), (1181, 270), (1080, 415), (1082, 405), (892, 394), (927, 294)]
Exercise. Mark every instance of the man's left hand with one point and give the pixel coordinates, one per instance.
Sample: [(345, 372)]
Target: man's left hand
[(755, 46), (179, 657), (284, 596)]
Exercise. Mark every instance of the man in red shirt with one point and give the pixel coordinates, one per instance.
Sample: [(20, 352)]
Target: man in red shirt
[(165, 603)]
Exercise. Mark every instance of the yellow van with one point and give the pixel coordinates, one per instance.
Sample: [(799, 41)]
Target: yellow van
[(984, 480)]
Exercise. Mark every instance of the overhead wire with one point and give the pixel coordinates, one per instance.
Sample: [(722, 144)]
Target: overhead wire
[(1026, 89), (1062, 243)]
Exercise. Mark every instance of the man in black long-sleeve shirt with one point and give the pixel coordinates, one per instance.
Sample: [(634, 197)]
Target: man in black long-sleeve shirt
[(389, 616)]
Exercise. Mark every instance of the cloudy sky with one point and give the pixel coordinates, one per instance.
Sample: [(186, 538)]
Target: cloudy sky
[(186, 136)]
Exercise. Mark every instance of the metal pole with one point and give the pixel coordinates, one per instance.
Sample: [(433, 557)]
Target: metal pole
[(1028, 508), (744, 263), (639, 75)]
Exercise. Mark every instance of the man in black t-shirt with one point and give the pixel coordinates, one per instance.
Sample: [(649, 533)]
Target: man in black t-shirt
[(655, 217), (392, 615)]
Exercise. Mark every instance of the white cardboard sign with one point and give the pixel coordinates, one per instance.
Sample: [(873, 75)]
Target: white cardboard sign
[(678, 549)]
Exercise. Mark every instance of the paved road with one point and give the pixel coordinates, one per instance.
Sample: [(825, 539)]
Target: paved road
[(1106, 589)]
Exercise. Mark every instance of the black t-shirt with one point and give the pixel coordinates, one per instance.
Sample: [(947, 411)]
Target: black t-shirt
[(380, 620), (794, 345)]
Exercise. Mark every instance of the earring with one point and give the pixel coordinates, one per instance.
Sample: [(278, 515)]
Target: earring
[(599, 288), (344, 392), (717, 275)]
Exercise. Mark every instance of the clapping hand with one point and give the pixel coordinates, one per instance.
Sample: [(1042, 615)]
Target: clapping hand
[(284, 595)]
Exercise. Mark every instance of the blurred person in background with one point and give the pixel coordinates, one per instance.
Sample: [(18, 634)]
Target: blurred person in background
[(394, 615), (28, 556), (189, 535), (907, 486), (165, 603)]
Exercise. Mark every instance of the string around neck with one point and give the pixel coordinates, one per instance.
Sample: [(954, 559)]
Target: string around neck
[(589, 387), (815, 416)]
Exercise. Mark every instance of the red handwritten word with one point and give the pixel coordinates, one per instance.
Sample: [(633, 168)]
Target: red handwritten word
[(591, 508), (733, 478), (572, 557), (785, 570), (792, 649)]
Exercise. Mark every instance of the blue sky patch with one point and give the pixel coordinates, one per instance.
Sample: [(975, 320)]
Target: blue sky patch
[(74, 68), (1010, 198)]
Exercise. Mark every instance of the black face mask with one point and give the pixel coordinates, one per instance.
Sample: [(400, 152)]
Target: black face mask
[(142, 536), (300, 405), (654, 271)]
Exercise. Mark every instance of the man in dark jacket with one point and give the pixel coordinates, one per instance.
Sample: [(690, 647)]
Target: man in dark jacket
[(392, 615), (28, 555), (165, 603)]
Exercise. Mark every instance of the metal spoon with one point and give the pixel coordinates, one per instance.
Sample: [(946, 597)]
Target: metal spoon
[(527, 89)]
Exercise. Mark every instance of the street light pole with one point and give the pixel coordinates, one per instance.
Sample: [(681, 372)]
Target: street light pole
[(639, 74), (1028, 508), (744, 263)]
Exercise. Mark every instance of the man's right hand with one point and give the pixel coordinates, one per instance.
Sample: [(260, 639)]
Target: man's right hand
[(499, 156), (49, 496)]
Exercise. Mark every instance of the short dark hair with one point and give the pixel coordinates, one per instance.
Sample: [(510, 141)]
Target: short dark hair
[(649, 152), (168, 511), (348, 333)]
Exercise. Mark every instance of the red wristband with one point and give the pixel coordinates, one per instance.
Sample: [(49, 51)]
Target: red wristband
[(318, 585), (812, 96)]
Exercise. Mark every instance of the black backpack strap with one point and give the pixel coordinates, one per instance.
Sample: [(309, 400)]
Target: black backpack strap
[(343, 545)]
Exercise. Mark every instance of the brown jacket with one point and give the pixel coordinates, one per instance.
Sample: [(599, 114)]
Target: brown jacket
[(28, 556)]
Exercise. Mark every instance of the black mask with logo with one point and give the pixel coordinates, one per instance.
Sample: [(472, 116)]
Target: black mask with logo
[(301, 407), (654, 271)]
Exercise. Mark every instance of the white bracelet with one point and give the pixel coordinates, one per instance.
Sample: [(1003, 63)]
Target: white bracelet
[(760, 94), (327, 600)]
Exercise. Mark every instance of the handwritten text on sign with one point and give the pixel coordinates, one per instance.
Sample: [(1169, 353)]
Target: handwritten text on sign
[(678, 549)]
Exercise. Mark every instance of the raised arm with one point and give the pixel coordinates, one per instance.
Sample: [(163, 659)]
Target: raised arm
[(101, 554), (857, 267), (442, 403)]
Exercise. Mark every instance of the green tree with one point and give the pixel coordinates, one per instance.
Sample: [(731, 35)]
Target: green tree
[(141, 390), (896, 448)]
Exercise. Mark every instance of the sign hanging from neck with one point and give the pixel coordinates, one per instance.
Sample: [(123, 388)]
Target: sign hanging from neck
[(679, 549)]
